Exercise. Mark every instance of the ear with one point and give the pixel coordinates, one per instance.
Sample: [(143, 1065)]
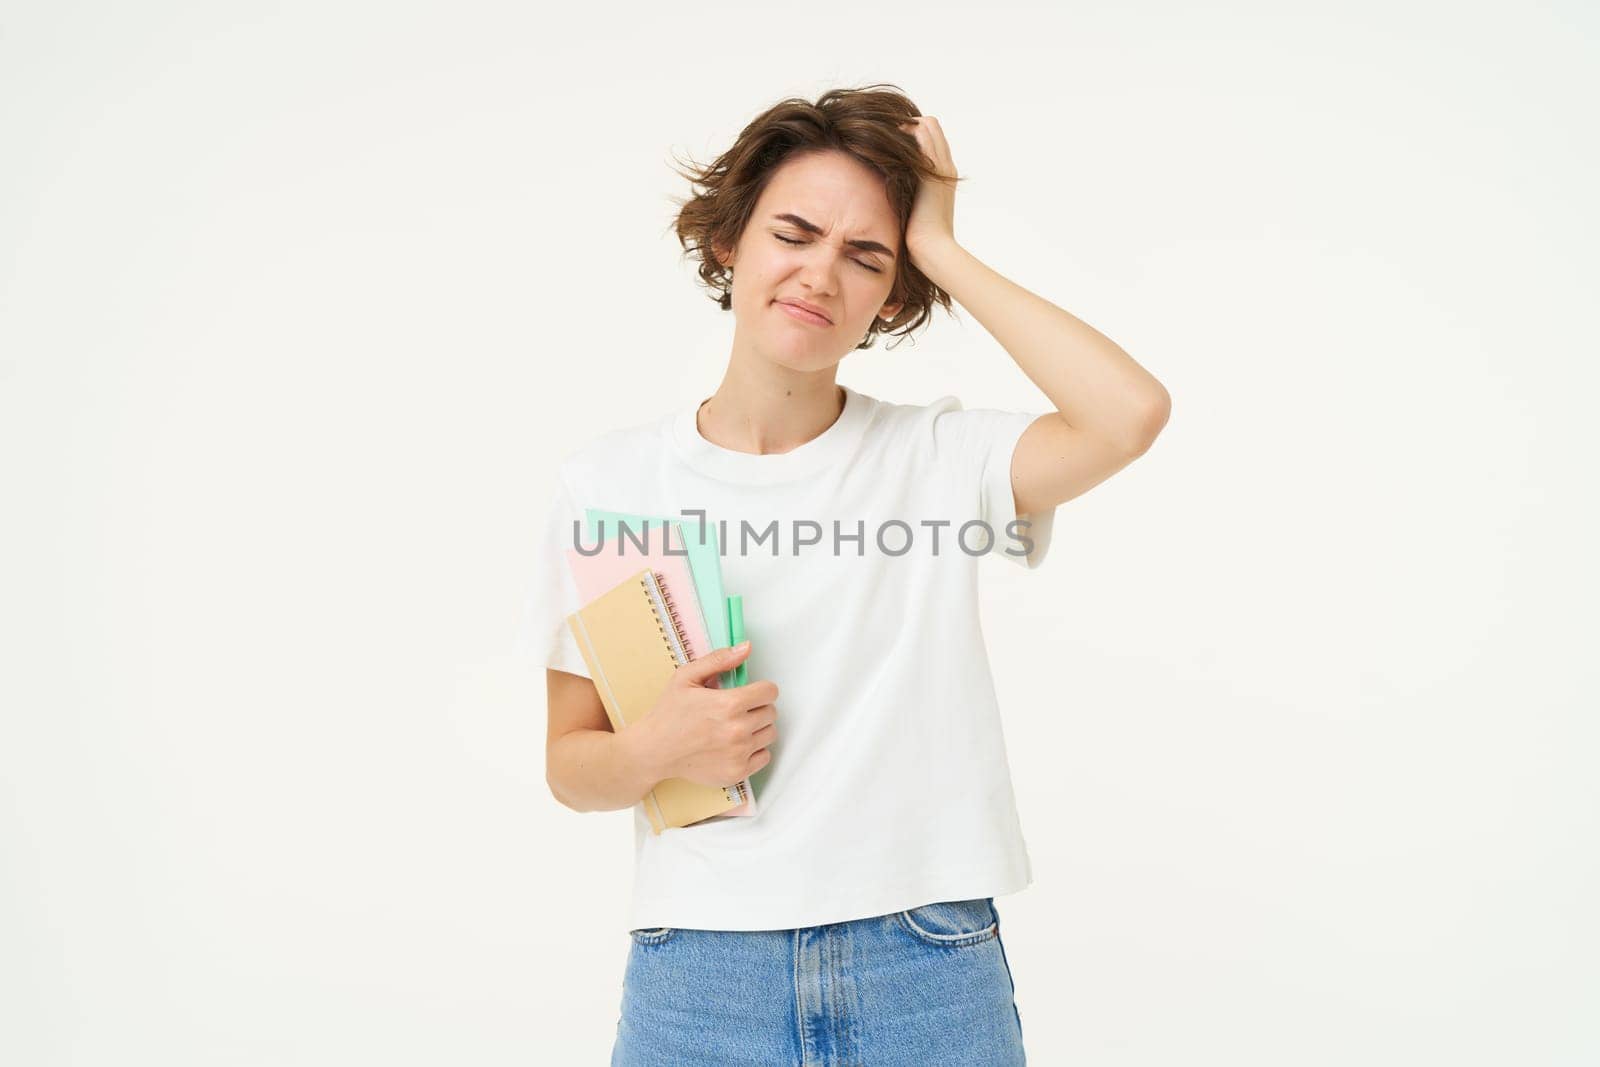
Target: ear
[(889, 311), (723, 256)]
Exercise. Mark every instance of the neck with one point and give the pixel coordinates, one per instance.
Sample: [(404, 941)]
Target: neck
[(768, 414)]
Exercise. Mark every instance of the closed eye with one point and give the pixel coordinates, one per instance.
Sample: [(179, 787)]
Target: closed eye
[(857, 262)]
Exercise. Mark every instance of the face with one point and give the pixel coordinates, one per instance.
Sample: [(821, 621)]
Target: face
[(823, 233)]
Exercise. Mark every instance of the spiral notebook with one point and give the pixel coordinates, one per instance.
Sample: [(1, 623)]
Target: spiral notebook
[(619, 558), (632, 640)]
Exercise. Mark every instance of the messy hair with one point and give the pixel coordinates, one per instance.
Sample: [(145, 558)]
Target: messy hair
[(863, 123)]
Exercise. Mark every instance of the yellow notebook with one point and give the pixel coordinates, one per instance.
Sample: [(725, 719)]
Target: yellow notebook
[(631, 641)]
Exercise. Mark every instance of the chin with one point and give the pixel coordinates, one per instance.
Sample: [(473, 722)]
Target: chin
[(808, 362)]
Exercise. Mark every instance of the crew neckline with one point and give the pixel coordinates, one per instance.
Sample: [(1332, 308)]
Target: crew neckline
[(726, 464)]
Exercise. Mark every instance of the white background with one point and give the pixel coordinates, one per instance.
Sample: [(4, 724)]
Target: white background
[(300, 304)]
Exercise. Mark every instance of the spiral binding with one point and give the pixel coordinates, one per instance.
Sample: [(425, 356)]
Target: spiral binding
[(649, 579), (652, 585)]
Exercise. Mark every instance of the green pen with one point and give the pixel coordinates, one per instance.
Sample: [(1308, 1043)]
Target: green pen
[(741, 676)]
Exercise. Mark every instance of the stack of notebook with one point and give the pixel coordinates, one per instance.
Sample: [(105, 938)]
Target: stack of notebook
[(644, 596)]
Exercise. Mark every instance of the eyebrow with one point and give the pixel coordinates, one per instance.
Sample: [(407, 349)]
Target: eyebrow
[(811, 227)]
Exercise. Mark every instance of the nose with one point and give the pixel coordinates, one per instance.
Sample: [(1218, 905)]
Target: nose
[(819, 270)]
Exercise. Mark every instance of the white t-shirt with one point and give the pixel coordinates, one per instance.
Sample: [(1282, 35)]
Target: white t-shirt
[(889, 786)]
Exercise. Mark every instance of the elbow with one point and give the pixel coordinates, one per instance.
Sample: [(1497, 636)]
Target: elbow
[(567, 801), (558, 775), (1156, 413), (1148, 419), (563, 797)]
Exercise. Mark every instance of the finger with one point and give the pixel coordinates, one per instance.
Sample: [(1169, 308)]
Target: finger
[(929, 125), (752, 696), (758, 759), (924, 144), (930, 147), (699, 671)]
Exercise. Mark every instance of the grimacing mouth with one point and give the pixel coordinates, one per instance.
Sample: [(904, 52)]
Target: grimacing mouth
[(803, 305)]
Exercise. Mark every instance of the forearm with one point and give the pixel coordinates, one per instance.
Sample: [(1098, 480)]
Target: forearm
[(597, 770), (1094, 384)]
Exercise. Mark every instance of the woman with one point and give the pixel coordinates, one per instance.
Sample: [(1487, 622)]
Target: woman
[(852, 919)]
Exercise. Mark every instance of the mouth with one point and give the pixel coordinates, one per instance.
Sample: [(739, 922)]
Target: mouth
[(804, 314)]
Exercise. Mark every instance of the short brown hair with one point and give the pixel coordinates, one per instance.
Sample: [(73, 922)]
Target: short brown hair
[(863, 123)]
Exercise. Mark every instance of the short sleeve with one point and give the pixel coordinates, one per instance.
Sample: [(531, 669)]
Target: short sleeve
[(976, 446), (555, 592)]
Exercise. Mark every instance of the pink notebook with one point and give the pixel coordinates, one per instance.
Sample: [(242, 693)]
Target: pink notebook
[(602, 572)]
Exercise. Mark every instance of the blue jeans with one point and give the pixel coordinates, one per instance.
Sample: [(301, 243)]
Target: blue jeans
[(930, 985)]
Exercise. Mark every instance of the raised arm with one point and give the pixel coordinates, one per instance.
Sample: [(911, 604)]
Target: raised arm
[(1109, 409)]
